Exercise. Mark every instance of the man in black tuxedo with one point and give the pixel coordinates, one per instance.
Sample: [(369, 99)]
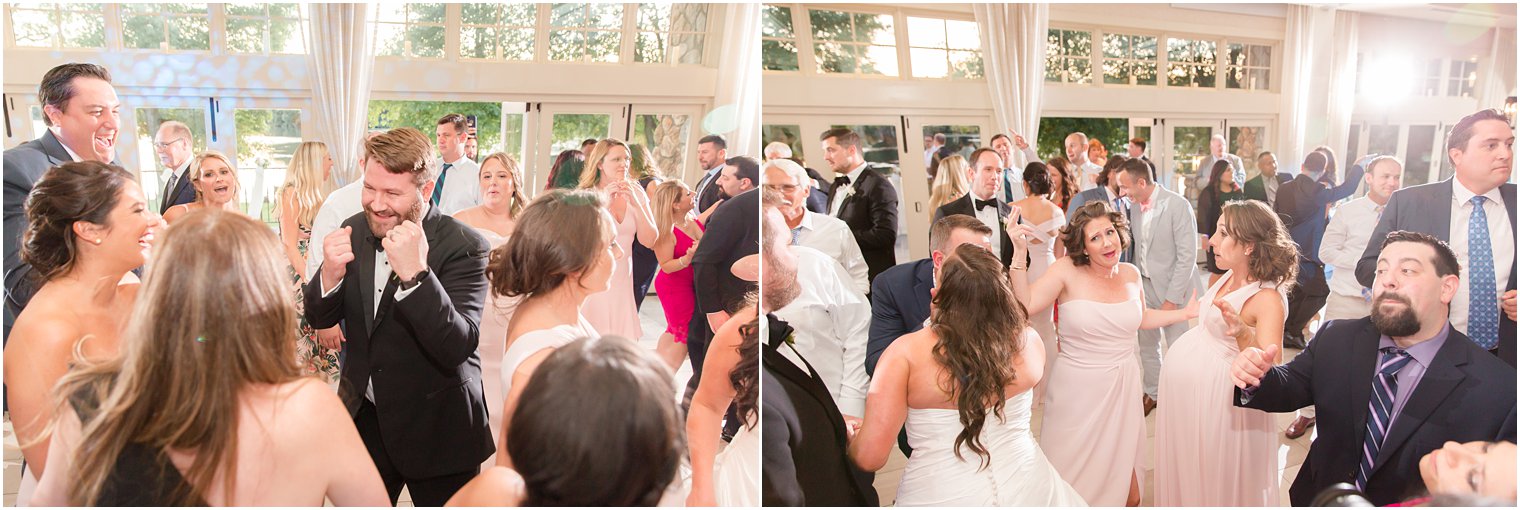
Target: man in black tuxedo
[(864, 199), (1263, 188), (1390, 387), (982, 201), (83, 114), (804, 450), (175, 144), (732, 233), (410, 283), (712, 152), (1302, 205), (1480, 150)]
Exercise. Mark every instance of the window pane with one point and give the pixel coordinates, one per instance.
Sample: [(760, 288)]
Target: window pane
[(930, 63), (603, 46), (878, 60), (688, 48), (517, 44), (392, 12), (566, 45), (477, 42), (512, 137), (1418, 157), (650, 47), (607, 15), (285, 10), (874, 28), (425, 41), (1116, 72), (1116, 46), (426, 13), (926, 32), (245, 9), (1183, 50), (1383, 139), (665, 137), (245, 35), (966, 64), (33, 28), (83, 30), (831, 26), (1145, 73), (963, 35), (143, 32), (570, 128), (834, 57), (424, 115), (1078, 44), (521, 15), (777, 22), (190, 33), (286, 36), (784, 133), (266, 141), (567, 15), (390, 39), (480, 14), (689, 17), (778, 55), (1247, 142), (653, 17)]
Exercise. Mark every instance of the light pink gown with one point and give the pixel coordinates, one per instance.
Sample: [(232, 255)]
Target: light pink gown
[(612, 312), (1209, 452), (493, 338), (1093, 424)]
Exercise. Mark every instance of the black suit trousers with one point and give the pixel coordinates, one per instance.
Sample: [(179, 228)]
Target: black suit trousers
[(433, 491), (1306, 298)]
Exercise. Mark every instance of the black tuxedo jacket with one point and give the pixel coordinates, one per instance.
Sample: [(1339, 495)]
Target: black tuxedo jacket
[(963, 205), (420, 353), (804, 450), (1465, 395), (183, 193), (732, 232), (710, 194), (24, 165), (871, 212), (899, 305), (1427, 208)]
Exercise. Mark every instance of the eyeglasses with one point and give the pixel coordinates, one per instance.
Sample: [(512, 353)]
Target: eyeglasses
[(784, 188), (165, 145)]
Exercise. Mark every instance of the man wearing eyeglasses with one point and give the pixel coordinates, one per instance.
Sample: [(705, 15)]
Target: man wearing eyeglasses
[(174, 146)]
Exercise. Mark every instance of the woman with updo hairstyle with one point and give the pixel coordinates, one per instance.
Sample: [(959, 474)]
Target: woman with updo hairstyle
[(206, 406), (597, 426), (562, 252), (216, 185), (1091, 388), (88, 227), (1209, 452), (1045, 218)]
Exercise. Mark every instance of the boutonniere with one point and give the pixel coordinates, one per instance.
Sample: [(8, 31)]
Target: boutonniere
[(849, 191), (791, 339)]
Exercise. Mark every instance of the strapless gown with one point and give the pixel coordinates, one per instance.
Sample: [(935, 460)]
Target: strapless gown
[(736, 471)]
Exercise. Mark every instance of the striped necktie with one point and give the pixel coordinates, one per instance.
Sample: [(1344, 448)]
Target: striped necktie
[(438, 187), (1483, 299), (1385, 385)]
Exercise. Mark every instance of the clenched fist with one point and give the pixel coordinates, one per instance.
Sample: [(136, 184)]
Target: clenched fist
[(406, 247), (337, 251)]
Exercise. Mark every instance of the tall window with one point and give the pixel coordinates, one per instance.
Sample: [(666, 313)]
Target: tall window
[(942, 48), (497, 31), (1129, 59), (1190, 63), (854, 43), (671, 33), (60, 25), (264, 28), (166, 27), (1248, 66), (1464, 75), (585, 32), (1068, 56), (778, 41), (410, 30)]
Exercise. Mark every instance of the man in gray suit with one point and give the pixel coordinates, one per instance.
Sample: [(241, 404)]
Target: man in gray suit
[(1216, 153), (1166, 251), (82, 113)]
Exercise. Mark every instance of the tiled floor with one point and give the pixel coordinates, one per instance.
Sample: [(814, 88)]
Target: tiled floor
[(651, 316), (1290, 454)]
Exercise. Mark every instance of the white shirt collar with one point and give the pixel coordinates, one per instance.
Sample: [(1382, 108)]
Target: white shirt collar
[(855, 174), (65, 146), (182, 168), (455, 162), (807, 220), (975, 197), (1462, 195)]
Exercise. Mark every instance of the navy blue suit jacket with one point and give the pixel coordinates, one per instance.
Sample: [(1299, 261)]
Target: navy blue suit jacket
[(1301, 205), (899, 305)]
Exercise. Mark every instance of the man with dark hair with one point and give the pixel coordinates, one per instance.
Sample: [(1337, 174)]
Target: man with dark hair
[(587, 145), (1136, 149), (409, 283), (731, 235), (981, 201), (865, 200), (1013, 173), (1474, 211), (1263, 188), (458, 185), (712, 153), (740, 174), (1302, 204), (83, 114), (1390, 387)]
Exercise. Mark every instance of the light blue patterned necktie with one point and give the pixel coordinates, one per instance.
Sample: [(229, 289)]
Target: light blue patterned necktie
[(1483, 300)]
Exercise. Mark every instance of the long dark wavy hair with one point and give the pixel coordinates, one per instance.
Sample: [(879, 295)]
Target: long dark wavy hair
[(979, 326), (745, 377)]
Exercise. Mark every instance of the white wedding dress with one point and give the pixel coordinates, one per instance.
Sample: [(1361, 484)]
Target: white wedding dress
[(736, 471), (1018, 473)]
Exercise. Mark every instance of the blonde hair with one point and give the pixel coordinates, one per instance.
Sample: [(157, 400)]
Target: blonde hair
[(213, 318), (950, 183), (305, 177), (195, 170), (666, 194), (519, 200), (591, 174)]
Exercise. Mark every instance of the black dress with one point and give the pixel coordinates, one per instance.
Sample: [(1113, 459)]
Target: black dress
[(645, 263), (1210, 205), (141, 476)]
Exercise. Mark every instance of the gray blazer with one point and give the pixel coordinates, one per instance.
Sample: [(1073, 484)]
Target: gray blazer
[(24, 164), (1171, 262)]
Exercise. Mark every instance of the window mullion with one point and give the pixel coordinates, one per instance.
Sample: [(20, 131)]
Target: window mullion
[(452, 20), (541, 28), (802, 30)]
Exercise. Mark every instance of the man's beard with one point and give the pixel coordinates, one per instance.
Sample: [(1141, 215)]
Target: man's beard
[(781, 286), (1394, 324), (414, 213)]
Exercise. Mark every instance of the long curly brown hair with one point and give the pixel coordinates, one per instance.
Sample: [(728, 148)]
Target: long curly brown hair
[(1274, 258), (979, 326), (745, 377), (1069, 186)]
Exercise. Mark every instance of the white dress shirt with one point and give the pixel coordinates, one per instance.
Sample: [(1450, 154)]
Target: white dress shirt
[(383, 273), (1345, 239), (1148, 229), (339, 206), (989, 217), (842, 192), (461, 189), (831, 323), (1501, 234), (709, 178), (832, 236), (66, 148)]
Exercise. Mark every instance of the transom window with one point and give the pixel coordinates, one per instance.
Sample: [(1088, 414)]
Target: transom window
[(1129, 59), (941, 48), (671, 33), (265, 28), (58, 25), (410, 30), (1190, 62), (1068, 56), (778, 41), (497, 31), (1248, 66), (854, 43), (173, 26), (585, 32)]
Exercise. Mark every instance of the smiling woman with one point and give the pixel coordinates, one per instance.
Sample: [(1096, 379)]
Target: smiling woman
[(216, 186)]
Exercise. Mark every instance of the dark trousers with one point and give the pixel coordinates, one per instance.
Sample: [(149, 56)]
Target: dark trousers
[(433, 491), (1306, 298)]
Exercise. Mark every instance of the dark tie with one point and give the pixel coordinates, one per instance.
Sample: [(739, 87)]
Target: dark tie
[(378, 242), (1483, 300), (1385, 386), (839, 182), (169, 190), (977, 205), (438, 187)]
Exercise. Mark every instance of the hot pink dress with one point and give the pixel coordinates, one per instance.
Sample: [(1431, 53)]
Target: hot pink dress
[(677, 294)]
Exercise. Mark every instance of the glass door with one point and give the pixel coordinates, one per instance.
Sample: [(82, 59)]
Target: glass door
[(140, 120), (562, 127), (23, 119), (963, 136), (1183, 146), (264, 134), (1248, 139), (667, 131)]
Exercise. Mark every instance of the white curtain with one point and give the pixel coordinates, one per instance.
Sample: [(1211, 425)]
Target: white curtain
[(1013, 49), (1298, 63), (342, 68), (1498, 70), (1342, 87), (736, 106)]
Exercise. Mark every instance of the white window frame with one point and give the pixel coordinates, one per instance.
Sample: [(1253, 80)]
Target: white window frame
[(215, 39), (796, 38), (906, 36), (499, 26), (268, 19), (451, 12), (57, 10), (899, 34), (1224, 51), (669, 33), (1103, 58)]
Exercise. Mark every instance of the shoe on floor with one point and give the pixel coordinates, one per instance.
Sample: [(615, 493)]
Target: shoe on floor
[(1149, 404), (1299, 427)]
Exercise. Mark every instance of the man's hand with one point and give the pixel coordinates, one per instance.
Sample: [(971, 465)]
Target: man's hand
[(1018, 140), (1251, 364), (331, 338), (407, 248), (337, 251), (1507, 303)]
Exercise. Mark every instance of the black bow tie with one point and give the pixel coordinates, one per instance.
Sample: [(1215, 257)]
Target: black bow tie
[(377, 241), (977, 205), (841, 181)]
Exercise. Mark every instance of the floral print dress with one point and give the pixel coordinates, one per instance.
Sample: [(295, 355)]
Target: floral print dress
[(310, 355)]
